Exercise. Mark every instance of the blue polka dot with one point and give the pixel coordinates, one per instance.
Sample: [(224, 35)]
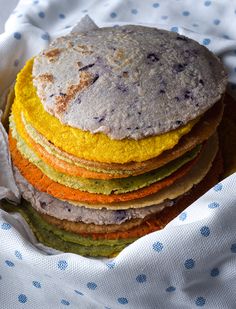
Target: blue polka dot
[(111, 264), (62, 264), (185, 13), (41, 14), (122, 300), (157, 246), (113, 15), (20, 15), (156, 5), (205, 231), (22, 298), (16, 62), (189, 264), (45, 36), (174, 29), (92, 285), (233, 248), (84, 11), (218, 187), (183, 216), (164, 17), (5, 226), (225, 36), (195, 25), (17, 35), (170, 289), (65, 302), (9, 263), (134, 11), (207, 3), (18, 255), (62, 16), (215, 272), (68, 26), (78, 292), (213, 205), (36, 284), (107, 308), (35, 2), (141, 278), (216, 22), (206, 41), (200, 301)]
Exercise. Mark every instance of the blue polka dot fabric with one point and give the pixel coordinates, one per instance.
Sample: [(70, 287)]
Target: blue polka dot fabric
[(188, 264)]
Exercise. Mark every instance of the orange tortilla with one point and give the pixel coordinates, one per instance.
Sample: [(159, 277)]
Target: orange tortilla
[(42, 183)]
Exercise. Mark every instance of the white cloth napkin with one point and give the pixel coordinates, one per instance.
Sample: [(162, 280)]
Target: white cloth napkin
[(190, 263)]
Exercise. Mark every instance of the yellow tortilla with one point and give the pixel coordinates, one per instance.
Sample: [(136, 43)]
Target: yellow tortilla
[(95, 147)]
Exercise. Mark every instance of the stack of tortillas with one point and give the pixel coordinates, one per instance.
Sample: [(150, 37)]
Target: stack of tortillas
[(113, 133)]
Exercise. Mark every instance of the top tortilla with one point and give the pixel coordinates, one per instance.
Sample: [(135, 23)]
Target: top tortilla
[(127, 82)]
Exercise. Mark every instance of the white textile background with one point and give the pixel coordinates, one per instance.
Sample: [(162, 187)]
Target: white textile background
[(6, 9), (190, 263)]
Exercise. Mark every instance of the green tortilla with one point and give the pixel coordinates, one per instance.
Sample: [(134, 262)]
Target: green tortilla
[(56, 238)]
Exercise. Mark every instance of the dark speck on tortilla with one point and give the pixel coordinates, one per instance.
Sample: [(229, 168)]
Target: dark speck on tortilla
[(99, 119), (43, 205), (152, 57), (120, 215), (188, 95), (96, 77), (86, 67), (179, 122), (179, 67)]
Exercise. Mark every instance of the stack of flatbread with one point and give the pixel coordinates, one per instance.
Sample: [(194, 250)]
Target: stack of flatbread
[(113, 133)]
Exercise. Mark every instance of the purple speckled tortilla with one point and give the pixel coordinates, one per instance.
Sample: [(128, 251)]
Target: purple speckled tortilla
[(127, 82)]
